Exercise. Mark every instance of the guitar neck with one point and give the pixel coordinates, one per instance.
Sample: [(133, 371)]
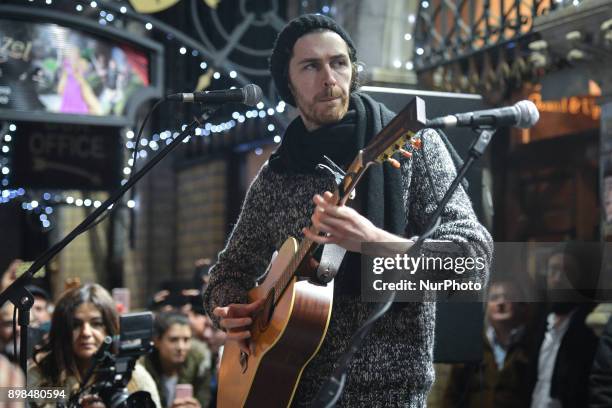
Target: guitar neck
[(305, 249)]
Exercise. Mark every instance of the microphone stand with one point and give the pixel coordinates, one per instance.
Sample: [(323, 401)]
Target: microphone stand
[(330, 392), (22, 298)]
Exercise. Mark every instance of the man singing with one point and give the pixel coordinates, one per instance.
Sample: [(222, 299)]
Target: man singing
[(313, 66)]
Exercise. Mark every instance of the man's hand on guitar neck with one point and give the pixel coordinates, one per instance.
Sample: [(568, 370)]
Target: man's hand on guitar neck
[(344, 226), (235, 319)]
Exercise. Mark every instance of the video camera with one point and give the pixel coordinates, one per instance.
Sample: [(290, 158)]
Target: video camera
[(114, 362)]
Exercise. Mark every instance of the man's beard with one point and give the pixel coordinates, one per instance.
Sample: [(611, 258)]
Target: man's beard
[(314, 113)]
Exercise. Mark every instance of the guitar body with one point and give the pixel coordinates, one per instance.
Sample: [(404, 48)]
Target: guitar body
[(286, 337)]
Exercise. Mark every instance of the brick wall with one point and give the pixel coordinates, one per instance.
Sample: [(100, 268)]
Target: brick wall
[(85, 257), (200, 216), (151, 260)]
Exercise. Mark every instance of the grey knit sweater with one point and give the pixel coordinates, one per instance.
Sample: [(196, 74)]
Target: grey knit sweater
[(394, 366)]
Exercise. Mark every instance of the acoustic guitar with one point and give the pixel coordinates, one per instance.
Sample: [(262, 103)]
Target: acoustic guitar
[(289, 329)]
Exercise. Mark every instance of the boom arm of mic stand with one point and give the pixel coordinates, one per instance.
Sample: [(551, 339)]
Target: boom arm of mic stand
[(329, 394), (14, 291), (476, 150)]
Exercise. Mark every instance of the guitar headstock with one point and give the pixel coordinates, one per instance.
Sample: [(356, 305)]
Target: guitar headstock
[(398, 146), (397, 134)]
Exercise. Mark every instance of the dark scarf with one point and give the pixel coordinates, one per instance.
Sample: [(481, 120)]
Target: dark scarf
[(380, 189), (301, 150)]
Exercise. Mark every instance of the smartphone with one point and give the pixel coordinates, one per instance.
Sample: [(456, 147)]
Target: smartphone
[(183, 391), (121, 296)]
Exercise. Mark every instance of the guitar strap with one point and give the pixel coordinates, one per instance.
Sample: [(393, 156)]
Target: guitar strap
[(331, 258)]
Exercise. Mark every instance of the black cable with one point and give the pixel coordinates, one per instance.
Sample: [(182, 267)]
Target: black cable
[(15, 332), (131, 166), (138, 137), (338, 378)]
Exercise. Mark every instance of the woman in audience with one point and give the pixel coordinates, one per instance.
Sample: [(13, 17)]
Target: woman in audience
[(82, 318)]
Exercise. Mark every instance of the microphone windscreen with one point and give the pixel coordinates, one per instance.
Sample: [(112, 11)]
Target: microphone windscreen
[(252, 94), (528, 114)]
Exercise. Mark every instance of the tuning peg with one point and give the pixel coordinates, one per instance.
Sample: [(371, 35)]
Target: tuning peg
[(394, 162), (416, 143), (405, 153)]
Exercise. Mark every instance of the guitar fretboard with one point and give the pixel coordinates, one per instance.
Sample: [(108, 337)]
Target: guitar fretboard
[(304, 249)]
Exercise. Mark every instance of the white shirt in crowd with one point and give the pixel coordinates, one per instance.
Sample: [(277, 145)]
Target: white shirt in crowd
[(546, 362)]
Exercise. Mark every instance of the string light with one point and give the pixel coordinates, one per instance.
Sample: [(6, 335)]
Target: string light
[(150, 144)]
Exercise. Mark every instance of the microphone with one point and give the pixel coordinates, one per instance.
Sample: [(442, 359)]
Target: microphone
[(523, 114), (250, 95)]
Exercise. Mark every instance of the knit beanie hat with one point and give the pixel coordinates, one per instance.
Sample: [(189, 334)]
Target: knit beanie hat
[(286, 39)]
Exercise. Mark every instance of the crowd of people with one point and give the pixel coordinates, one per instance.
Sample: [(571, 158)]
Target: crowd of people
[(540, 354), (65, 335), (535, 354)]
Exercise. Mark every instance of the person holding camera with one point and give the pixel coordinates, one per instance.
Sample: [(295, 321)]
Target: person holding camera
[(82, 319), (182, 372)]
